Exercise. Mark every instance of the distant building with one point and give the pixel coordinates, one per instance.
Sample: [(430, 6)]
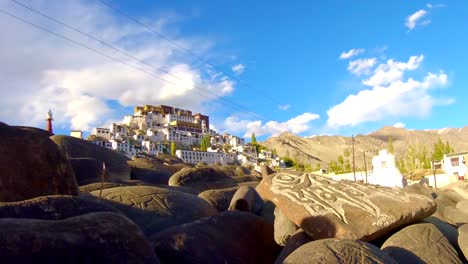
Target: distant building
[(77, 134), (455, 164), (104, 133), (385, 173), (194, 157)]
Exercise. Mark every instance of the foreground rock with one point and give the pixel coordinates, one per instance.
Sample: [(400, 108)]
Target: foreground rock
[(31, 165), (55, 207), (154, 208), (148, 170), (229, 237), (87, 170), (247, 199), (338, 251), (420, 243), (450, 232), (298, 239), (455, 216), (463, 205), (265, 170), (284, 228), (90, 238), (219, 198), (463, 239), (325, 208), (202, 179), (117, 168)]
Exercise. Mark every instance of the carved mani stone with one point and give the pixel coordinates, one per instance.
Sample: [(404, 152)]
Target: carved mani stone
[(324, 208)]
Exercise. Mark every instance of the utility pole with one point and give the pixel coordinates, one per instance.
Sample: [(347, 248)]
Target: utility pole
[(434, 170), (365, 164), (354, 160)]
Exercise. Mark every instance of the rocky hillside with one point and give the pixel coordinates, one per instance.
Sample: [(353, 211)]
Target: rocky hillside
[(323, 149)]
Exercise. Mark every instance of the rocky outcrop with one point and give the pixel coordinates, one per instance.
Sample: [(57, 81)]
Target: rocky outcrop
[(284, 228), (228, 237), (31, 165), (219, 198), (155, 209), (338, 251), (117, 168), (324, 208), (420, 243), (202, 179), (89, 238)]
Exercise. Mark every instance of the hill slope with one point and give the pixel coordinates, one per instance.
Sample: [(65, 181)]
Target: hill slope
[(323, 149)]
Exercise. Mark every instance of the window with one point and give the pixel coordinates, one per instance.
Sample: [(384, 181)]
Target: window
[(455, 162)]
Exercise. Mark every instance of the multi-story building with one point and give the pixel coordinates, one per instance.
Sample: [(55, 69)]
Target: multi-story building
[(104, 133), (194, 157)]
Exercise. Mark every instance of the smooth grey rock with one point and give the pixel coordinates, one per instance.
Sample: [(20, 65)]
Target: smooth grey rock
[(455, 216), (202, 179), (219, 198), (246, 199), (463, 205), (298, 239), (420, 243), (334, 250), (228, 237), (463, 239), (284, 227)]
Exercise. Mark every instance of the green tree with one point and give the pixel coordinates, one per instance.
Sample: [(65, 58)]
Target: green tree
[(390, 145), (447, 148), (439, 149), (173, 148), (205, 143), (288, 162), (253, 139)]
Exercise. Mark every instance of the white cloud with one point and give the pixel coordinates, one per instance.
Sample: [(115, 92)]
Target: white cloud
[(390, 95), (295, 125), (284, 107), (392, 71), (238, 69), (351, 53), (399, 125), (415, 19), (78, 84), (361, 66)]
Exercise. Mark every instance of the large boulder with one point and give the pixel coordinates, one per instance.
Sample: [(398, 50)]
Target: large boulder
[(90, 238), (450, 232), (87, 170), (154, 208), (246, 178), (420, 188), (247, 199), (228, 237), (149, 170), (463, 205), (284, 228), (265, 170), (241, 171), (117, 168), (219, 198), (338, 251), (31, 165), (54, 207), (202, 179), (455, 216), (324, 208), (420, 243), (297, 239), (463, 239)]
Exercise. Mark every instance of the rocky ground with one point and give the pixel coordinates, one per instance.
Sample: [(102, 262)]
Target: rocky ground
[(58, 205)]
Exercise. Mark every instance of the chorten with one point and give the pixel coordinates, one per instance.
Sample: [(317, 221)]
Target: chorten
[(49, 120)]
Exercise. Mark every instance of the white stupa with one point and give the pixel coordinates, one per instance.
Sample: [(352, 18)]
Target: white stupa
[(384, 172)]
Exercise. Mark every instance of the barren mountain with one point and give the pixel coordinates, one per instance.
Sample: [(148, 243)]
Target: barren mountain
[(323, 149)]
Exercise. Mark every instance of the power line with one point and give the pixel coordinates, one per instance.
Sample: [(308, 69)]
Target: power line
[(123, 62), (203, 61)]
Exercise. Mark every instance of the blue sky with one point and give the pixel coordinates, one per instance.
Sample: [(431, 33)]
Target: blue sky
[(309, 67)]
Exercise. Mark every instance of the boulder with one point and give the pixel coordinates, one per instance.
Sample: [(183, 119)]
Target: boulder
[(450, 232), (442, 202), (228, 237), (241, 171), (455, 216), (463, 205), (297, 239), (117, 168), (86, 170), (169, 159), (268, 212), (219, 198), (202, 164), (265, 170), (246, 199), (246, 178), (252, 184), (54, 207), (154, 208), (202, 179), (90, 238), (284, 228), (324, 208), (420, 188), (420, 243), (148, 170), (31, 165), (463, 239), (338, 251)]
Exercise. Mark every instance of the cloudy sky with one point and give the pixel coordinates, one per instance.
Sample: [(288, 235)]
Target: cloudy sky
[(334, 67)]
